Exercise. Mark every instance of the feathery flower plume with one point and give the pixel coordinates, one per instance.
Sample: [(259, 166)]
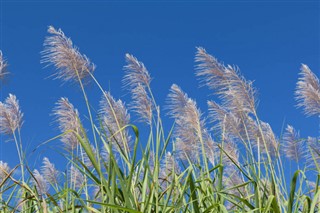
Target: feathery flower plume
[(240, 97), (68, 119), (168, 165), (104, 153), (312, 186), (263, 137), (178, 101), (142, 104), (214, 149), (265, 187), (211, 152), (211, 147), (151, 162), (136, 79), (136, 73), (69, 63), (230, 155), (293, 146), (238, 103), (187, 151), (224, 121), (10, 115), (4, 170), (3, 66), (76, 177), (49, 172), (210, 71), (231, 179), (40, 182), (114, 117), (189, 126), (308, 92), (236, 93), (313, 156)]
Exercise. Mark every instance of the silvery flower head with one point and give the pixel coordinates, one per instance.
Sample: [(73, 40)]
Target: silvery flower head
[(50, 173), (3, 66), (69, 123), (10, 115), (40, 182), (308, 92), (4, 170), (69, 63)]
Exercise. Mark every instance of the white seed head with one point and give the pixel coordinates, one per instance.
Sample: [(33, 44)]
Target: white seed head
[(230, 156), (40, 182), (168, 168), (228, 123), (293, 146), (308, 92), (4, 170), (232, 179), (50, 173), (69, 123), (236, 93), (10, 115), (115, 117), (136, 73), (69, 63), (311, 186), (313, 154), (3, 66), (142, 104), (264, 137), (76, 177), (189, 126)]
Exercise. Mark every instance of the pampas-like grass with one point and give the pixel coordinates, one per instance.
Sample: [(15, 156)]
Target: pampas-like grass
[(169, 168), (76, 177), (115, 117), (60, 52), (4, 170), (236, 116), (40, 182), (308, 92), (49, 171), (264, 137), (189, 125), (293, 145), (137, 80), (221, 119), (236, 93), (3, 66), (136, 73), (114, 169), (231, 179), (67, 118), (142, 104), (313, 156), (11, 117)]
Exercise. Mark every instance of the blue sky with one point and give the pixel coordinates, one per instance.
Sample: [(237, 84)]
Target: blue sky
[(267, 40)]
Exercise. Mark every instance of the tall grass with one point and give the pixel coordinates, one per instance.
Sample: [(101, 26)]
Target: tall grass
[(227, 160)]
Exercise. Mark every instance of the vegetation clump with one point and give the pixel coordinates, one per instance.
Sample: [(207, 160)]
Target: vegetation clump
[(227, 160)]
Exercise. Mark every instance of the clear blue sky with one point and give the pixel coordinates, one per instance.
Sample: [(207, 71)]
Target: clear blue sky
[(267, 40)]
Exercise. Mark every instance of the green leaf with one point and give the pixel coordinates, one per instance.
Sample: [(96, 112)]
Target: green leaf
[(194, 195), (292, 190)]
